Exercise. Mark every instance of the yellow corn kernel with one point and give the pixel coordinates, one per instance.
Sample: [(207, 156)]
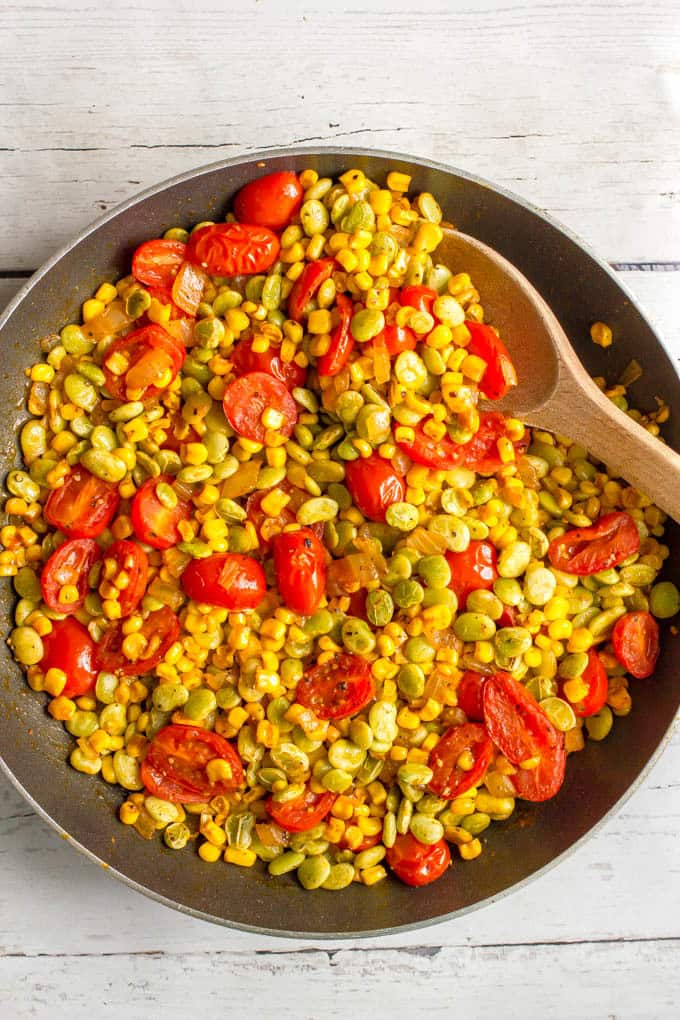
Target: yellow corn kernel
[(398, 753), (308, 178), (397, 181), (601, 334), (376, 792), (335, 830), (532, 658), (371, 876), (560, 630), (468, 851), (106, 293), (428, 237), (55, 681), (417, 755), (213, 832), (369, 826), (237, 717), (354, 180), (575, 690), (407, 719), (128, 813), (484, 651), (556, 608), (92, 308), (380, 201), (354, 837), (42, 373), (274, 502), (404, 434), (506, 450), (244, 858), (430, 710), (580, 641), (218, 771), (431, 740), (343, 808), (209, 853), (62, 708)]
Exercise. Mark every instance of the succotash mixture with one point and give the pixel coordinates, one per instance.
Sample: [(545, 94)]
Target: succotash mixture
[(283, 578)]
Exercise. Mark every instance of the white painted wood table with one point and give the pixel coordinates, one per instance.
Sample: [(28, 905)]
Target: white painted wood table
[(574, 105)]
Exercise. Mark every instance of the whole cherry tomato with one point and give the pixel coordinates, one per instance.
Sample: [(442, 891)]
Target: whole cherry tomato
[(153, 359), (69, 565), (342, 341), (449, 780), (246, 398), (230, 580), (160, 630), (636, 643), (127, 560), (338, 688), (175, 765), (470, 692), (301, 813), (304, 288), (499, 375), (419, 297), (269, 201), (156, 263), (374, 485), (246, 360), (417, 864), (84, 505), (154, 523), (594, 677), (233, 249), (473, 569), (70, 648), (300, 567), (604, 544)]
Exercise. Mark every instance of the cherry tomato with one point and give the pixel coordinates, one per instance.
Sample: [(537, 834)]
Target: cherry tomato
[(374, 485), (507, 618), (449, 779), (470, 692), (342, 341), (233, 249), (152, 522), (442, 454), (300, 567), (70, 564), (130, 559), (499, 375), (636, 643), (338, 688), (156, 263), (160, 629), (397, 339), (304, 288), (301, 813), (270, 201), (595, 678), (230, 580), (84, 505), (473, 569), (246, 360), (153, 360), (246, 398), (481, 453), (417, 864), (267, 527), (603, 545), (172, 440), (521, 730), (418, 297), (69, 647), (164, 296), (175, 765)]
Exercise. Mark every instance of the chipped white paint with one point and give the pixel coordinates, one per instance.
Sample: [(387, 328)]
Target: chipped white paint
[(572, 105)]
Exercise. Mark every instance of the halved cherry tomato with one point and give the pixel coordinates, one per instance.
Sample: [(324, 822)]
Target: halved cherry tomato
[(417, 296), (70, 564), (417, 864), (153, 358), (338, 688), (595, 678), (131, 560), (267, 527), (160, 629), (247, 397), (470, 694), (636, 643), (301, 813), (604, 544), (481, 453), (300, 567), (473, 569), (233, 249), (397, 339), (269, 201), (156, 263), (442, 454), (153, 523), (521, 730), (84, 505), (304, 288), (499, 375), (164, 295), (172, 441), (449, 779), (342, 341), (70, 648), (374, 485), (246, 360), (230, 580), (175, 765)]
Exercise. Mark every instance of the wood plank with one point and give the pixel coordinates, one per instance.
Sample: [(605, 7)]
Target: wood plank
[(586, 137)]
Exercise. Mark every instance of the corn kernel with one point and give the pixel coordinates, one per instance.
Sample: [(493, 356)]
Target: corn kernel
[(244, 858), (397, 181), (601, 334), (371, 876), (209, 853), (62, 708), (468, 851)]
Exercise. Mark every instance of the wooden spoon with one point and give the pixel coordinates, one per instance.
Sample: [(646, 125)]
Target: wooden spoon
[(555, 391)]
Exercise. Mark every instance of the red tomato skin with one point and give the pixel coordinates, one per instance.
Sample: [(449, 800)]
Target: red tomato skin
[(500, 374), (481, 453), (80, 554), (342, 341), (302, 813), (636, 643), (338, 688), (233, 249), (304, 288), (152, 523), (126, 552), (545, 781), (417, 864), (583, 551), (469, 692), (374, 485), (151, 337), (246, 360), (174, 766), (473, 569), (108, 654), (300, 567), (595, 676), (69, 646), (84, 506), (417, 296), (398, 339), (230, 580), (156, 263), (442, 453), (270, 201), (257, 516), (248, 396), (449, 780), (164, 296)]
